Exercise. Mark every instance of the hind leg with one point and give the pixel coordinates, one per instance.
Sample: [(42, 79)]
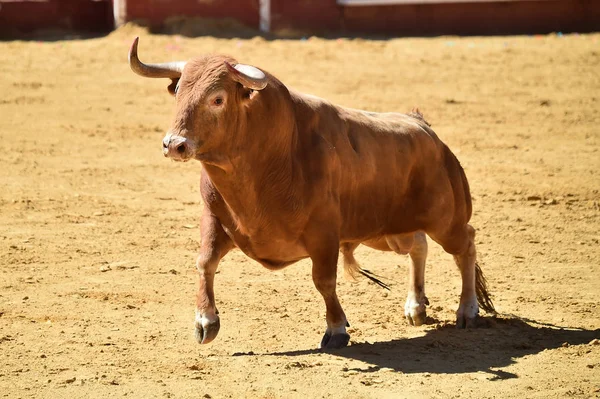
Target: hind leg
[(416, 301), (468, 309), (460, 242), (414, 244)]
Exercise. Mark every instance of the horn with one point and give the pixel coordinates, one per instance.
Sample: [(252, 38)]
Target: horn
[(171, 70), (251, 77)]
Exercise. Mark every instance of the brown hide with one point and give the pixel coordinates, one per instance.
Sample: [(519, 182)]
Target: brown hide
[(392, 173), (371, 174), (288, 176)]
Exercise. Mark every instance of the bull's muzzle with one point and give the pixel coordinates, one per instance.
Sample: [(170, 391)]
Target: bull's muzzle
[(178, 148)]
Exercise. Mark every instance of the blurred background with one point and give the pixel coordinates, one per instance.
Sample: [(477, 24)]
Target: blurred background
[(299, 17), (99, 232)]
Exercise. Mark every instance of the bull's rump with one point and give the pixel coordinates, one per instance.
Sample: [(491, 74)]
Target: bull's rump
[(398, 177)]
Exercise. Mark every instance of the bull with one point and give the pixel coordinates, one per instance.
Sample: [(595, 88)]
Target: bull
[(288, 176)]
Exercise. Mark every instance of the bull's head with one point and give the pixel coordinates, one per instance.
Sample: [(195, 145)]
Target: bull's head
[(212, 94)]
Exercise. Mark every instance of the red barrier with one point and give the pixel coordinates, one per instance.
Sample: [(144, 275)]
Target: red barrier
[(155, 12), (79, 15), (316, 16), (480, 18), (306, 15), (500, 17)]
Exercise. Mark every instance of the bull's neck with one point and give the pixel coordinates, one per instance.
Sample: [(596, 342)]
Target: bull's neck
[(261, 175), (248, 167)]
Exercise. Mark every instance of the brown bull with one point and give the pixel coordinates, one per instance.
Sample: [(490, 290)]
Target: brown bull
[(287, 176)]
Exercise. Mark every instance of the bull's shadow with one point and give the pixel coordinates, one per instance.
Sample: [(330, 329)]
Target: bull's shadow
[(496, 344)]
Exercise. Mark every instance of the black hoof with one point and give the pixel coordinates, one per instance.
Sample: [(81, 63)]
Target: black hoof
[(417, 319), (208, 333), (466, 322), (336, 341)]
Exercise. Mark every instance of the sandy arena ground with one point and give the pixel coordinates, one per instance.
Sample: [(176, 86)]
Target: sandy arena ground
[(98, 232)]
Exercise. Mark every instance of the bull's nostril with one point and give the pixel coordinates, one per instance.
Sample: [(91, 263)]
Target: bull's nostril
[(180, 148)]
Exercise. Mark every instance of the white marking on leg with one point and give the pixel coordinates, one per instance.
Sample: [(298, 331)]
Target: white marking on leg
[(337, 330), (468, 308), (206, 319)]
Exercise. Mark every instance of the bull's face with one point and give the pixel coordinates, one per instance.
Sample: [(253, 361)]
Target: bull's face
[(211, 93), (206, 104)]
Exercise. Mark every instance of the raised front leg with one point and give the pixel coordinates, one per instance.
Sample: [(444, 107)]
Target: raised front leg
[(415, 308), (214, 246), (323, 250)]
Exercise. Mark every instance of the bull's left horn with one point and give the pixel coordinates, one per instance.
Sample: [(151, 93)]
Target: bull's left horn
[(171, 70), (251, 77)]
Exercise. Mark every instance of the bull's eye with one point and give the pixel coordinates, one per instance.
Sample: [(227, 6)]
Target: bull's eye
[(218, 101)]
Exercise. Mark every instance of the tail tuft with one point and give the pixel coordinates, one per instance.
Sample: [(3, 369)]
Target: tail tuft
[(353, 270), (481, 288), (374, 278)]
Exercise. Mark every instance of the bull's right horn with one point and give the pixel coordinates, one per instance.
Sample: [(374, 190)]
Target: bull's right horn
[(171, 70)]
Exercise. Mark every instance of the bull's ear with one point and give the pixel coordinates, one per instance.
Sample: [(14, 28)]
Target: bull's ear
[(248, 94), (174, 86)]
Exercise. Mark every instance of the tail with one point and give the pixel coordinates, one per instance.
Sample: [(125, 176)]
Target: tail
[(481, 288), (353, 269), (374, 278)]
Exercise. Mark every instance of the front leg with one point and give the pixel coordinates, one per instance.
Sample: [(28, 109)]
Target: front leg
[(323, 250), (214, 246)]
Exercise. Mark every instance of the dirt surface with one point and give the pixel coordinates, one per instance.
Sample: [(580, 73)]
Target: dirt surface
[(98, 232)]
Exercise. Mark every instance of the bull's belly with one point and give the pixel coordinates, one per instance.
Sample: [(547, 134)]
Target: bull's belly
[(272, 252), (373, 232), (368, 216), (275, 258)]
